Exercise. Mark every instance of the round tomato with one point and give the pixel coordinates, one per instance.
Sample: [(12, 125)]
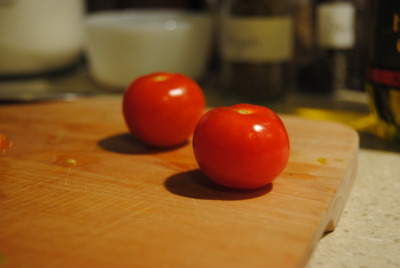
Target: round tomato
[(162, 109), (243, 146)]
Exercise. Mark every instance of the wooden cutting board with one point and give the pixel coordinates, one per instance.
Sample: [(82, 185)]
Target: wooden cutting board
[(76, 190)]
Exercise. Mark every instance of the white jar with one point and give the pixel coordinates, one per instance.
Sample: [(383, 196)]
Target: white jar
[(39, 35), (123, 45)]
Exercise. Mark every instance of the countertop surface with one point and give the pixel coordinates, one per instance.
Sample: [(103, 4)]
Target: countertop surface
[(368, 234)]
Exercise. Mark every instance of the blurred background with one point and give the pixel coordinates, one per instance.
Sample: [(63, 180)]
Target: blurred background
[(312, 58)]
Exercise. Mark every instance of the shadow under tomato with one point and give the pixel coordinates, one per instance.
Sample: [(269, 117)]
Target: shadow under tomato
[(195, 184), (126, 143)]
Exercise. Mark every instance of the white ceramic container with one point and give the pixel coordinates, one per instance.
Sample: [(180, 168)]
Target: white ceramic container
[(39, 35), (123, 45)]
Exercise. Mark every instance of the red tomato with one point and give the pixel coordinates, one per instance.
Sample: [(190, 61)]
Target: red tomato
[(162, 109), (4, 143), (243, 146)]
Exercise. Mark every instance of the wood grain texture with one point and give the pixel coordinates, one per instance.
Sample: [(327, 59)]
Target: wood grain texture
[(76, 190)]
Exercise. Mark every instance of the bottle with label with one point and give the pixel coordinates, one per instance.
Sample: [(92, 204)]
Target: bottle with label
[(337, 44), (256, 48), (383, 81)]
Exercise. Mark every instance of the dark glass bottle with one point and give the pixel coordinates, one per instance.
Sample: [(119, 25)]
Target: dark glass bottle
[(256, 48), (383, 82), (336, 44)]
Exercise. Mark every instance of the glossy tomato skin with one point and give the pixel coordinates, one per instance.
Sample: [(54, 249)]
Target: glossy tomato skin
[(162, 109), (243, 146)]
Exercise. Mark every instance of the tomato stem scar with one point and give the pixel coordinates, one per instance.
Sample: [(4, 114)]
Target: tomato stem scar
[(160, 78), (241, 111)]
